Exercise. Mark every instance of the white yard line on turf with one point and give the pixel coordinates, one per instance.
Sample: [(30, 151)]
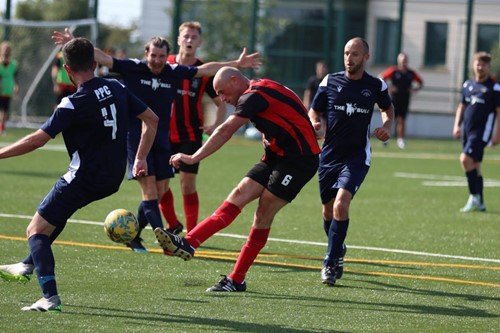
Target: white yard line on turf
[(444, 180), (292, 241)]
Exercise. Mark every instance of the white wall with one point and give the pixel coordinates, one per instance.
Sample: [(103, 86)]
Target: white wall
[(417, 13), (154, 20)]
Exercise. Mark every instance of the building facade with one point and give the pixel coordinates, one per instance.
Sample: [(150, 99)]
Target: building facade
[(433, 34)]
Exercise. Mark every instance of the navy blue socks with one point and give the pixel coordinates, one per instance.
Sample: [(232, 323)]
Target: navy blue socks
[(43, 258), (337, 235)]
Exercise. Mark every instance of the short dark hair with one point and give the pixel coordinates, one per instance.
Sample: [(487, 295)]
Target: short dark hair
[(159, 42), (78, 54), (483, 56)]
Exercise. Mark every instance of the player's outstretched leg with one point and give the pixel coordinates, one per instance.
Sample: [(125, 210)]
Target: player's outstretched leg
[(174, 244)]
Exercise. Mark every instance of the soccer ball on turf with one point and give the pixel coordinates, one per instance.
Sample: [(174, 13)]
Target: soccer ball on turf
[(121, 226)]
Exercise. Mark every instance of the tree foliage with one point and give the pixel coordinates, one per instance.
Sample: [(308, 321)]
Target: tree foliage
[(495, 62), (32, 47), (52, 10), (227, 26)]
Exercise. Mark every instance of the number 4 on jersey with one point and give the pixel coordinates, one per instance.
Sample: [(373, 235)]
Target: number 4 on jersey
[(110, 122)]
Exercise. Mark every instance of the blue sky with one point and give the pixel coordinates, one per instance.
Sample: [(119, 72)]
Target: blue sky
[(115, 12)]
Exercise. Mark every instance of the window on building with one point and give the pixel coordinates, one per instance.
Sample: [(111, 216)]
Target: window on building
[(386, 35), (436, 36), (488, 36)]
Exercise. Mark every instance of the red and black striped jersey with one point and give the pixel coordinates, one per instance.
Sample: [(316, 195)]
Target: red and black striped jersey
[(279, 114), (187, 112)]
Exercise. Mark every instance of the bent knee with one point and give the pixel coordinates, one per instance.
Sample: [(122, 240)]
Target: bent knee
[(341, 210)]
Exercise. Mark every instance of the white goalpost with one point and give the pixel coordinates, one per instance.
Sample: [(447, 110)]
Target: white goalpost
[(35, 52)]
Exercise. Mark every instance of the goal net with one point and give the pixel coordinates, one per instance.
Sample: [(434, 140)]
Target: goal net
[(35, 51)]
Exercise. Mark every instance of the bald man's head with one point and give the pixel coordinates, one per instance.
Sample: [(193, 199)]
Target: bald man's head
[(229, 84)]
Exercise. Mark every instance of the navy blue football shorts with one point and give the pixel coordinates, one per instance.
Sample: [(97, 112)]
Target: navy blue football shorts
[(473, 146), (188, 148), (348, 176), (65, 199), (158, 160), (285, 176)]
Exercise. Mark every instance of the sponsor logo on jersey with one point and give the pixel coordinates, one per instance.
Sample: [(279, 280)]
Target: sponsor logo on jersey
[(350, 109), (475, 99), (183, 92), (366, 92), (156, 83), (195, 83), (102, 93)]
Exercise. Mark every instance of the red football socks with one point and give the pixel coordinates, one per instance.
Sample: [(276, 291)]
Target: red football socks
[(191, 210), (223, 216), (168, 210), (257, 239)]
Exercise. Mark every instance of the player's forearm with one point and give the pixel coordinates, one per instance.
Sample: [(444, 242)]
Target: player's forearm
[(388, 117), (214, 142), (459, 115), (103, 58), (211, 68), (25, 145), (148, 134)]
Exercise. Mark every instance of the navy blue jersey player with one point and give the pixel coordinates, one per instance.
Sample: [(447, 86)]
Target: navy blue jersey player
[(346, 101), (94, 123), (156, 83), (476, 117)]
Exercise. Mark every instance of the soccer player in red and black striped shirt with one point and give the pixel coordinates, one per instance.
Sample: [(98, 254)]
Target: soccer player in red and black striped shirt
[(291, 159), (187, 124)]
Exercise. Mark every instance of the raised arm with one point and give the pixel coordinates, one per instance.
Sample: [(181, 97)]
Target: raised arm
[(61, 38), (253, 60)]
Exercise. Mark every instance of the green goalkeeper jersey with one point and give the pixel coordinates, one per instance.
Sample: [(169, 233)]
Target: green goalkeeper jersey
[(8, 78)]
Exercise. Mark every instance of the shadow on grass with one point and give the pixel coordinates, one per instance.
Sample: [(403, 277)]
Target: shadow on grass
[(424, 309), (452, 310), (424, 292), (145, 318)]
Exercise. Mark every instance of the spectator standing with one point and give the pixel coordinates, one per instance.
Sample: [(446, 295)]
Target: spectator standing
[(321, 69), (403, 82), (8, 84), (62, 84)]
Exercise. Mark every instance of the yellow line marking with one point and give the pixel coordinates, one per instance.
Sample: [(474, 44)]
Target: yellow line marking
[(232, 256), (367, 261)]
